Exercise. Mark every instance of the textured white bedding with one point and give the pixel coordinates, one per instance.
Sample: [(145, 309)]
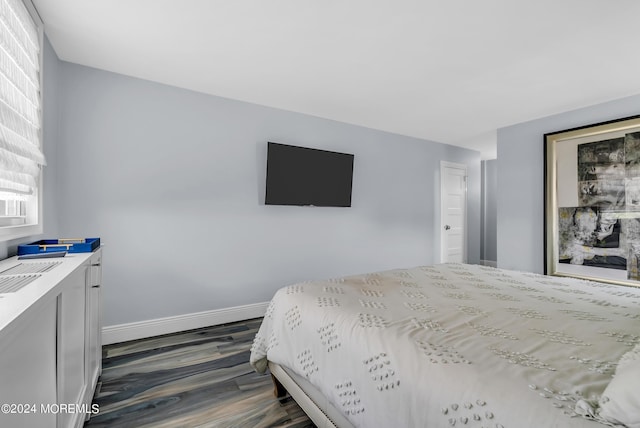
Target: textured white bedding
[(454, 344)]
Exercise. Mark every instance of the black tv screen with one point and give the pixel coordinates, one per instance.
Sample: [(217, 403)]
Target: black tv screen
[(304, 176)]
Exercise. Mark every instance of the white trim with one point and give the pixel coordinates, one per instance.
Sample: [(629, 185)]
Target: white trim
[(155, 327), (443, 250), (8, 233)]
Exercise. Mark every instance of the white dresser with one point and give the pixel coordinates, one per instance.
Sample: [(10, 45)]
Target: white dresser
[(50, 339)]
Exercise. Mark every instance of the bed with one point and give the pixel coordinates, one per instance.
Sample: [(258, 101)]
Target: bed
[(456, 345)]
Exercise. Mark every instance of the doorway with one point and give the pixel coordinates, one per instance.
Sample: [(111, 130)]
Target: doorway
[(453, 215)]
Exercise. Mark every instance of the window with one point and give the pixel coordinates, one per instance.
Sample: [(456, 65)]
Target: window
[(21, 157)]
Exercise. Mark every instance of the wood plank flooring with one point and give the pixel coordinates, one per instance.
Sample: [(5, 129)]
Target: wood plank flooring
[(198, 378)]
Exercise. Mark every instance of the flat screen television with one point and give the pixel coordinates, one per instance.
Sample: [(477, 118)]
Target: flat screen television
[(304, 176)]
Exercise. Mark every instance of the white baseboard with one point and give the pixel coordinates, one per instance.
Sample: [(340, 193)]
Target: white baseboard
[(155, 327), (491, 263)]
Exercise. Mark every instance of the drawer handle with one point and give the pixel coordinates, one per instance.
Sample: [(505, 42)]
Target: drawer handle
[(96, 264), (95, 286)]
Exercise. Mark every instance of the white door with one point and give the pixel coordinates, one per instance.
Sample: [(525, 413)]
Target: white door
[(453, 202)]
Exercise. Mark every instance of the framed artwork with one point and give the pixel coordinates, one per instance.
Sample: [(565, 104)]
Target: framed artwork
[(592, 202)]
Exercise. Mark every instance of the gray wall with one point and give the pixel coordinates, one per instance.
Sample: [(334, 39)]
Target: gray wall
[(50, 119), (521, 184), (173, 183), (489, 211)]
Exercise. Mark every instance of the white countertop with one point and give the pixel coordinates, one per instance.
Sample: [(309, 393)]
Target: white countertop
[(42, 289)]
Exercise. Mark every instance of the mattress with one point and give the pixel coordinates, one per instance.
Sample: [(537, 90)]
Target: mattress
[(454, 344)]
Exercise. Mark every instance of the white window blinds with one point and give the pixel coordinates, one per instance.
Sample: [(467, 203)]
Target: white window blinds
[(20, 154)]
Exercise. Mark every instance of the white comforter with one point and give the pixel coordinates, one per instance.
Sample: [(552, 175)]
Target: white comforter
[(453, 344)]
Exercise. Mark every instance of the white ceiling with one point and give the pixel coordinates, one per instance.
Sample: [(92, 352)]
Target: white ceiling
[(451, 71)]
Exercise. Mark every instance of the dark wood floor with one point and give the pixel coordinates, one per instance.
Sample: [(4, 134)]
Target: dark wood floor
[(199, 378)]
